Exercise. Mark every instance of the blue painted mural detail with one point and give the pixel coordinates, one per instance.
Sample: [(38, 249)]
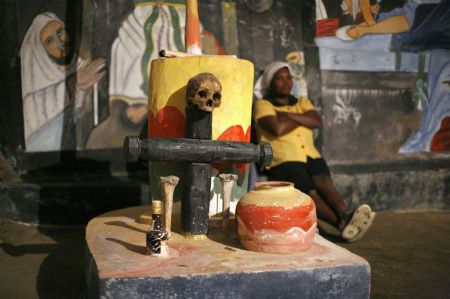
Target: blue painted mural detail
[(439, 103)]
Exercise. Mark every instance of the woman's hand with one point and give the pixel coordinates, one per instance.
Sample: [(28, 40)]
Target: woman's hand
[(309, 119), (283, 116), (278, 124), (90, 73)]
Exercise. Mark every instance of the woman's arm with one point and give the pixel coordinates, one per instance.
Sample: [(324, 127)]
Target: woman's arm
[(309, 119), (277, 125), (285, 122)]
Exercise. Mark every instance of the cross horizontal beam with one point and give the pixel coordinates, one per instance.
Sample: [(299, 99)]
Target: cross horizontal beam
[(196, 150)]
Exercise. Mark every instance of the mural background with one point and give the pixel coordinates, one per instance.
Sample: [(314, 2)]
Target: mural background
[(390, 69), (371, 98), (128, 35)]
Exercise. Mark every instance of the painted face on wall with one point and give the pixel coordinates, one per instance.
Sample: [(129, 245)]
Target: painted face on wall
[(282, 82), (55, 40)]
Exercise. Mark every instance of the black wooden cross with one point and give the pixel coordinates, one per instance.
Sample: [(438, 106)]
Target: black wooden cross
[(199, 151)]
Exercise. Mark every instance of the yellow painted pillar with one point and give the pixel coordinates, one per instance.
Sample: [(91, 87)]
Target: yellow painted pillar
[(167, 103)]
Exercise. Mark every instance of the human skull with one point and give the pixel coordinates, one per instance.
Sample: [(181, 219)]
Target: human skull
[(204, 92)]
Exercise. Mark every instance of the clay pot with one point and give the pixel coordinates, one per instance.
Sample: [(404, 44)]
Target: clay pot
[(275, 217)]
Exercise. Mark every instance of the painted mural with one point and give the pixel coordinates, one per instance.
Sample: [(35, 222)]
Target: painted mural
[(58, 86), (394, 36), (151, 26), (64, 110), (296, 61), (54, 84)]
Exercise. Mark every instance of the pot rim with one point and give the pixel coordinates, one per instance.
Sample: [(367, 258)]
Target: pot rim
[(272, 185)]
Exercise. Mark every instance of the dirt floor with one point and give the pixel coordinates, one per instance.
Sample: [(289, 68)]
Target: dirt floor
[(409, 254)]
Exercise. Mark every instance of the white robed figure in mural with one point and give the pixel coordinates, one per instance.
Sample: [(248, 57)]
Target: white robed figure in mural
[(149, 28), (53, 85)]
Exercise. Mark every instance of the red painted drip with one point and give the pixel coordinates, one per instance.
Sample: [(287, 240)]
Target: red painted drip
[(168, 123), (192, 34), (234, 133), (276, 218), (441, 140)]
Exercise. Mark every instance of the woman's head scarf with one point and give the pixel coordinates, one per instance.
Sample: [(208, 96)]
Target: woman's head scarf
[(262, 84)]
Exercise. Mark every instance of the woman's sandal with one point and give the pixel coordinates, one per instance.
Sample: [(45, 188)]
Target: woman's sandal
[(365, 227), (359, 220)]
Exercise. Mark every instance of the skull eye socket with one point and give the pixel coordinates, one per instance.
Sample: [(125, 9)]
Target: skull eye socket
[(202, 93), (217, 96)]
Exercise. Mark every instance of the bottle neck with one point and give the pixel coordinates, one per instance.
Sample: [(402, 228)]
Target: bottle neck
[(157, 220)]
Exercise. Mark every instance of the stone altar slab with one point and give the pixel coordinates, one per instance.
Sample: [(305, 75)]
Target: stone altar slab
[(216, 267)]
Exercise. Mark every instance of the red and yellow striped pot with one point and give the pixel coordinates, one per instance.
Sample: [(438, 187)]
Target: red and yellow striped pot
[(275, 217)]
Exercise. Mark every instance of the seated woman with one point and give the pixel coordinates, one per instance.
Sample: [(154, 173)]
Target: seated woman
[(287, 123)]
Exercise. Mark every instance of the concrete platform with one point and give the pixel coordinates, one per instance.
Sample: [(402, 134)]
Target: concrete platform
[(217, 267)]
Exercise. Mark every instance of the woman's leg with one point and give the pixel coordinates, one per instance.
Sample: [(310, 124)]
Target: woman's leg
[(296, 172), (324, 212), (321, 178), (331, 197), (352, 228)]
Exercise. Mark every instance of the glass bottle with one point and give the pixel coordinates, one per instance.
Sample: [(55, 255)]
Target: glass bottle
[(157, 234)]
